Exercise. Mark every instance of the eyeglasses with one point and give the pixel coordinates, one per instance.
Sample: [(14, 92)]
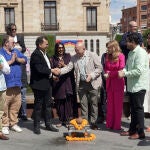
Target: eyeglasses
[(13, 29), (11, 42)]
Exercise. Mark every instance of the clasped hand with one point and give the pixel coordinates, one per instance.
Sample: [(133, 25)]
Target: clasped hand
[(121, 74), (56, 71), (88, 79)]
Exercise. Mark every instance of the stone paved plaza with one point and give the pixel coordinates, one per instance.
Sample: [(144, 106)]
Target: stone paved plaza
[(47, 140)]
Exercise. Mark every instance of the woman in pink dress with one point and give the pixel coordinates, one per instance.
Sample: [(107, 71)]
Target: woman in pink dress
[(115, 61)]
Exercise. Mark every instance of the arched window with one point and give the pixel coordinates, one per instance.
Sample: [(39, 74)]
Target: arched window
[(97, 47), (91, 46), (86, 44)]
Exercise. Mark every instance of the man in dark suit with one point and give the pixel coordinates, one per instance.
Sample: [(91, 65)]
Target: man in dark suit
[(40, 83)]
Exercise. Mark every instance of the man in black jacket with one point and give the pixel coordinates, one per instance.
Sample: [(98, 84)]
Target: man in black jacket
[(40, 83)]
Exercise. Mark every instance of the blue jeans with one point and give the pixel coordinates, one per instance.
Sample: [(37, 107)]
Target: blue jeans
[(23, 101)]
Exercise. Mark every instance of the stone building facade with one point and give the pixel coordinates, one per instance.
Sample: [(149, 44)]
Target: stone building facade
[(142, 7), (70, 20)]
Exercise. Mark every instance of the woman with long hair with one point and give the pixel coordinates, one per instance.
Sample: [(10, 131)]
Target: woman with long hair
[(63, 86), (114, 62)]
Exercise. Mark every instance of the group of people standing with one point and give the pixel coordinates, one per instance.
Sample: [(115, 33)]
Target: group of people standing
[(64, 85), (66, 88), (130, 68)]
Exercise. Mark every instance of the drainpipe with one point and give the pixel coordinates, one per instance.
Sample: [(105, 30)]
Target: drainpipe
[(22, 15)]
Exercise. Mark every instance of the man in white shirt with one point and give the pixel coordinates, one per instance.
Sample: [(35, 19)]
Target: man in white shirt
[(4, 68)]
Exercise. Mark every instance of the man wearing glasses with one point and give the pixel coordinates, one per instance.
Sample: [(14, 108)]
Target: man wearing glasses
[(18, 39), (20, 45), (13, 82)]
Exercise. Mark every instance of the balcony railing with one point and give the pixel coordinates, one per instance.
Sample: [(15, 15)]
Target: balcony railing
[(51, 27), (91, 28)]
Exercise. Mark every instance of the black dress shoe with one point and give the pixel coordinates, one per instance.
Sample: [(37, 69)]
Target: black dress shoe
[(37, 130), (51, 128), (3, 137)]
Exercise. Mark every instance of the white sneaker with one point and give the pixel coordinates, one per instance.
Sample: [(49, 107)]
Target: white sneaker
[(5, 130), (16, 128)]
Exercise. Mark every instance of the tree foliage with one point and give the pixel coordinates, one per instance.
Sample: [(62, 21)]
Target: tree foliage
[(118, 37), (51, 42), (145, 33)]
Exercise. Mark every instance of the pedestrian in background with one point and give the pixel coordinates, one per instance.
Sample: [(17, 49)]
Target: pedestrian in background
[(133, 28), (103, 94)]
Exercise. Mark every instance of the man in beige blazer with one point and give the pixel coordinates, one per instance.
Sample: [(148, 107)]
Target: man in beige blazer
[(88, 80)]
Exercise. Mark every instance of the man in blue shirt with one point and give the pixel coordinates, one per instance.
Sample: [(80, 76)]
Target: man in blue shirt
[(13, 82)]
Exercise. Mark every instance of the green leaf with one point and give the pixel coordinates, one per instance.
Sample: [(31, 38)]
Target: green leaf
[(51, 42)]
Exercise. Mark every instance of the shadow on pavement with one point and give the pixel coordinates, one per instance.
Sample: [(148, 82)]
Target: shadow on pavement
[(145, 142)]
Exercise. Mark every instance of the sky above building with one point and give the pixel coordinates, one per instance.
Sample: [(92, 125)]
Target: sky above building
[(116, 7)]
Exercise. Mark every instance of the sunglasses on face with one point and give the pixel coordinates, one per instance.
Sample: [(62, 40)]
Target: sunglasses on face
[(13, 29)]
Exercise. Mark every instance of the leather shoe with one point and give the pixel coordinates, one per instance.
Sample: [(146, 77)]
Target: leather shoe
[(51, 128), (137, 136), (127, 133), (37, 130), (3, 137)]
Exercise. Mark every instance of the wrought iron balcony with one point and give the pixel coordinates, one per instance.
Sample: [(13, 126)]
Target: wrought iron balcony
[(91, 28), (49, 27)]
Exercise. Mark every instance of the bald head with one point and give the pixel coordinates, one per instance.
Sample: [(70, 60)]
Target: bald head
[(133, 26), (80, 44), (80, 49)]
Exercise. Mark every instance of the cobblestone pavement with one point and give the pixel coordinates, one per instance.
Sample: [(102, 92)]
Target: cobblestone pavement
[(47, 140)]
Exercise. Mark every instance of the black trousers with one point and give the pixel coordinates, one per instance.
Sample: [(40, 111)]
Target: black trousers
[(137, 111), (42, 103), (102, 104)]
